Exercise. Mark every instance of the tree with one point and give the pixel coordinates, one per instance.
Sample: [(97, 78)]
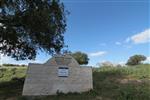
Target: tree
[(27, 26), (82, 58), (135, 60)]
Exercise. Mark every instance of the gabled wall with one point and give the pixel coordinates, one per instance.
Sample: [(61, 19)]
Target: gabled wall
[(43, 79)]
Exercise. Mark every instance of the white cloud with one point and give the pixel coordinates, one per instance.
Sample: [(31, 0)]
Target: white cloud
[(142, 37), (147, 60), (118, 43), (122, 63), (99, 53), (109, 63)]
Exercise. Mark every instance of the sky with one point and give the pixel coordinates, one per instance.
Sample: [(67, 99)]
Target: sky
[(107, 30)]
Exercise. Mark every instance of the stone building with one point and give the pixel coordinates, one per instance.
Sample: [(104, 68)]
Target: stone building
[(61, 73)]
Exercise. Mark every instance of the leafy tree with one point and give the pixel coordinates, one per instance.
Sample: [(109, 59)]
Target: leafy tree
[(82, 58), (135, 60), (27, 26)]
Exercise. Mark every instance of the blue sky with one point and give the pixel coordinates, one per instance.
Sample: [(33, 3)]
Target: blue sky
[(107, 30)]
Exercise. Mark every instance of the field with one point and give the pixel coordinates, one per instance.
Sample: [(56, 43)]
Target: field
[(110, 83)]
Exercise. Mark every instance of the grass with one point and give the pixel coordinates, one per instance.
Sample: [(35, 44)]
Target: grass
[(110, 83)]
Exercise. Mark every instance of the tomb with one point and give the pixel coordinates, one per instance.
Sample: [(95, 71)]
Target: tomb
[(61, 73)]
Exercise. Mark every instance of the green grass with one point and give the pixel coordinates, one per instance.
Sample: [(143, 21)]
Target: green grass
[(8, 73), (110, 83)]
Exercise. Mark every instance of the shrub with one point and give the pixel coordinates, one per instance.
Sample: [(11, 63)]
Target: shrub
[(135, 60)]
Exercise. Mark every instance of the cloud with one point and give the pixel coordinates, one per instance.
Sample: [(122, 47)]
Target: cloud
[(96, 54), (122, 63), (147, 60), (118, 43), (142, 37)]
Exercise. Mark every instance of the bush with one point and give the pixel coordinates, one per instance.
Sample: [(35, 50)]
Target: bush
[(135, 60), (82, 58)]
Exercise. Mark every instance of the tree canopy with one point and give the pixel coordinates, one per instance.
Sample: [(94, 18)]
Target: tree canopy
[(82, 58), (27, 26), (136, 59)]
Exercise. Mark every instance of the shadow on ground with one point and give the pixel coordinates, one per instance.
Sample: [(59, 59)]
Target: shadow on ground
[(11, 88)]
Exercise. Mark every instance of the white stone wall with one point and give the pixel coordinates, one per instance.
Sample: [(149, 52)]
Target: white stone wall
[(44, 79)]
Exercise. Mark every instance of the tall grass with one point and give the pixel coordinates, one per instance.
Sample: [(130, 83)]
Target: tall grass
[(123, 83), (8, 73), (138, 71)]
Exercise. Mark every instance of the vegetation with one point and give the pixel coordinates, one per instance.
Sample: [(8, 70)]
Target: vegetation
[(136, 59), (14, 65), (110, 83), (29, 25), (82, 58), (9, 73)]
